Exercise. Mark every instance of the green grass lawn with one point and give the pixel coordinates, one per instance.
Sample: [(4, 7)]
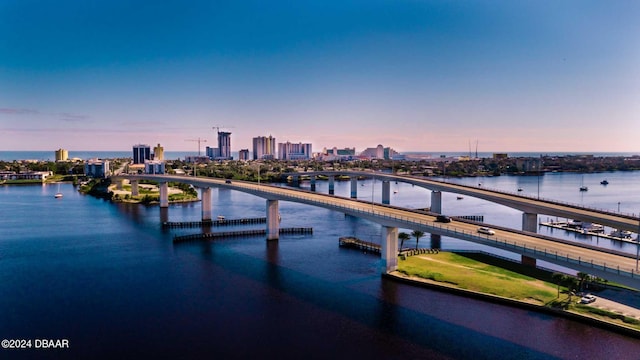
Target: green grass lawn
[(469, 274)]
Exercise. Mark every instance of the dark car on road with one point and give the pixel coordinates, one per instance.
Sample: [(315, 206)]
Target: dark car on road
[(443, 218)]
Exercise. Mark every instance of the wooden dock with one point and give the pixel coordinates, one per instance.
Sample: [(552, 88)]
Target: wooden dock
[(241, 233), (218, 222), (355, 243)]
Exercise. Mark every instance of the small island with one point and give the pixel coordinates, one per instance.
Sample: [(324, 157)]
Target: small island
[(148, 192)]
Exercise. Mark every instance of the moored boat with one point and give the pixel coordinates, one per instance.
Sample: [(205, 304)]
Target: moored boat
[(622, 234)]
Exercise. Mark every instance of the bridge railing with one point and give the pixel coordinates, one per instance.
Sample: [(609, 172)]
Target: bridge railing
[(555, 201), (490, 240), (505, 192), (370, 210)]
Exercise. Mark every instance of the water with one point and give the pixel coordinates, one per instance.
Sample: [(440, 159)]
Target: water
[(109, 279)]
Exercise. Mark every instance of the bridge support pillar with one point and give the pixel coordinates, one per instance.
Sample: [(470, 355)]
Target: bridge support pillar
[(528, 261), (313, 183), (354, 187), (332, 185), (206, 203), (120, 184), (273, 220), (164, 194), (389, 249), (164, 215), (134, 188), (436, 241), (436, 202), (530, 222), (386, 192)]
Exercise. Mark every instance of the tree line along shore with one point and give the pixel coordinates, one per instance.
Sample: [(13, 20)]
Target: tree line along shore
[(272, 170)]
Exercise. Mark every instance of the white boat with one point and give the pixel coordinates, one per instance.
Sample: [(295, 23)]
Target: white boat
[(575, 224), (220, 217), (596, 228), (58, 194), (622, 234)]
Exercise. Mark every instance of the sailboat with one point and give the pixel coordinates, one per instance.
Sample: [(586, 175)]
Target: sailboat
[(58, 195), (583, 187)]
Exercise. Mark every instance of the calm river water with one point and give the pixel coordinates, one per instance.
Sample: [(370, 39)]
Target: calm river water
[(109, 279)]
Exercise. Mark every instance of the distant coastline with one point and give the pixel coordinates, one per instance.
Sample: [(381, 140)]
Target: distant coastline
[(175, 155)]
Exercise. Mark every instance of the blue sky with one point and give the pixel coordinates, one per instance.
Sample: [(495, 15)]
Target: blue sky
[(414, 75)]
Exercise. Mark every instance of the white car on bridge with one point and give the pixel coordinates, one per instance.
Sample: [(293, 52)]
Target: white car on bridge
[(486, 230)]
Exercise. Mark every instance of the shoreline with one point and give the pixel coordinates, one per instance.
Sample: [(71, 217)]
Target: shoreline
[(439, 286)]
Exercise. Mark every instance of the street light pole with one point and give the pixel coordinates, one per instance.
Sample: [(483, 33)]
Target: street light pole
[(372, 186), (638, 244)]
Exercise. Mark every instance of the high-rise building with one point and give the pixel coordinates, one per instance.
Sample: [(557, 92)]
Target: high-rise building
[(289, 151), (224, 145), (62, 155), (158, 153), (141, 152), (264, 147), (243, 154)]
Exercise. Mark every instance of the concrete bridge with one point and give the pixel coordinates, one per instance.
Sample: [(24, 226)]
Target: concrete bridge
[(609, 264), (529, 206)]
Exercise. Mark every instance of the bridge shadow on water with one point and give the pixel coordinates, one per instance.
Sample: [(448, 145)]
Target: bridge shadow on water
[(336, 320)]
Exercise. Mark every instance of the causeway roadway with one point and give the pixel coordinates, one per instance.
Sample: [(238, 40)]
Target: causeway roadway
[(605, 263), (526, 204)]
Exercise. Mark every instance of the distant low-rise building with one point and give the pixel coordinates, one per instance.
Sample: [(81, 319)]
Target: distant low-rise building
[(154, 167), (243, 154), (29, 175), (337, 154), (96, 168), (197, 159), (379, 152)]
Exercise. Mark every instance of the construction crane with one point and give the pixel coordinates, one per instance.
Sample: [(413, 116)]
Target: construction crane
[(199, 141), (217, 127)]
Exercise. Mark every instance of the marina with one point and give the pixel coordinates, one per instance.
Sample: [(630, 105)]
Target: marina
[(593, 230)]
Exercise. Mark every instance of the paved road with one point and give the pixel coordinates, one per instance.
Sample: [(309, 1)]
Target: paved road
[(408, 218), (616, 307), (516, 201)]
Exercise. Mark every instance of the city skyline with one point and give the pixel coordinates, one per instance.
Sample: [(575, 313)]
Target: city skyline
[(417, 76)]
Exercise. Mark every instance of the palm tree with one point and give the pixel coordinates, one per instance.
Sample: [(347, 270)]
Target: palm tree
[(558, 278), (417, 234), (403, 236), (582, 278)]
